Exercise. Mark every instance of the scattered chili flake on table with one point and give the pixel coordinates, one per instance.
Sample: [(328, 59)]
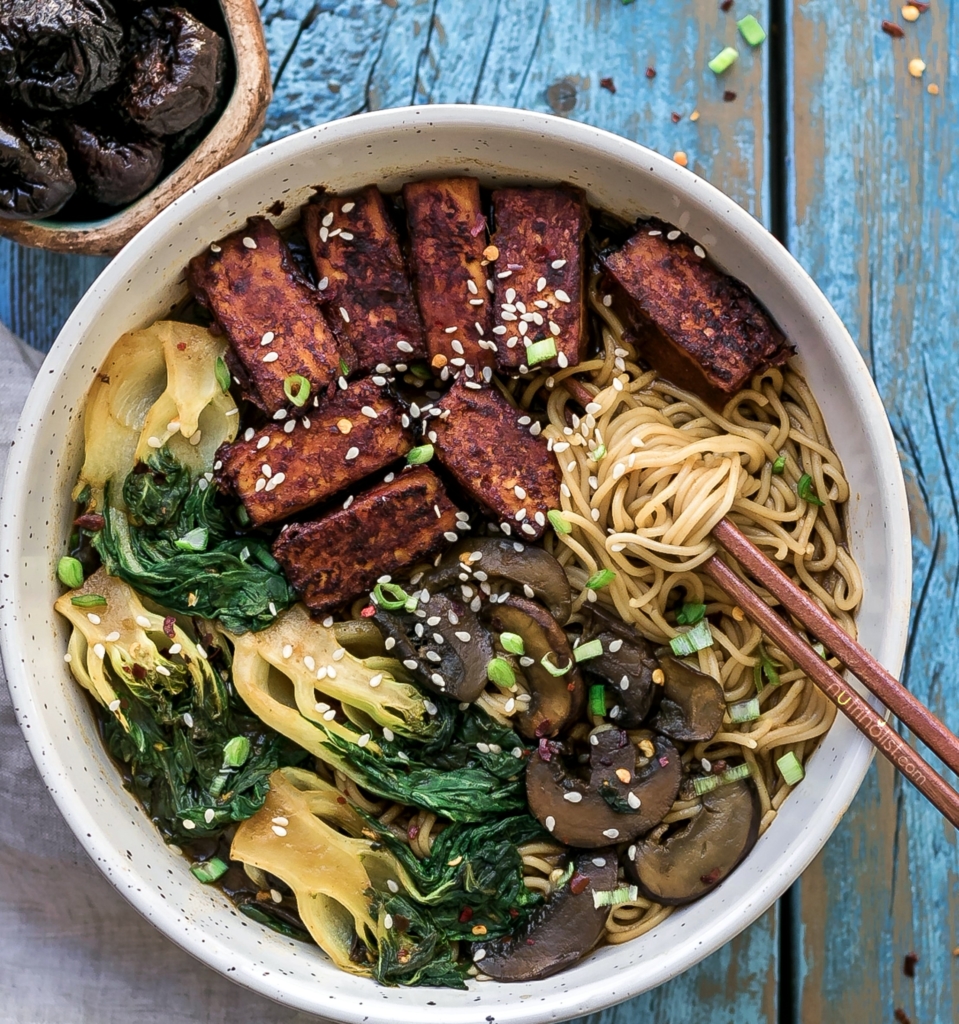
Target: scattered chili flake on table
[(892, 29), (650, 72), (608, 84), (729, 95), (676, 118), (726, 5), (901, 1016), (909, 964), (680, 158)]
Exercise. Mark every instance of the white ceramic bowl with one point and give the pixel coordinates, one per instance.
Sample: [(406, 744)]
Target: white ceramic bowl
[(146, 281)]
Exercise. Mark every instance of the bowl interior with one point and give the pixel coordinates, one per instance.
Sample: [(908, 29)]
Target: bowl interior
[(146, 281)]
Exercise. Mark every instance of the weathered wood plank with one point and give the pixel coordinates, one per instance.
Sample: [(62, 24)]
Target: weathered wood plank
[(872, 210)]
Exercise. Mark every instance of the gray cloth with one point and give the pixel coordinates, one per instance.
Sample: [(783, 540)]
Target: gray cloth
[(72, 950)]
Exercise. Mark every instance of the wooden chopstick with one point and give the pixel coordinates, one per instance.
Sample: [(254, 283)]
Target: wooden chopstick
[(856, 658), (865, 718)]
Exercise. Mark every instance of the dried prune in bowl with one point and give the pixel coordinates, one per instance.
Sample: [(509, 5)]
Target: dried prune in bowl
[(171, 81), (56, 54), (112, 169), (35, 177)]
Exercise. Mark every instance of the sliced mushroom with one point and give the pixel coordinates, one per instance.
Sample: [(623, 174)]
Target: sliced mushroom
[(560, 932), (626, 666), (692, 704), (510, 560), (556, 700), (678, 865), (448, 651), (626, 793)]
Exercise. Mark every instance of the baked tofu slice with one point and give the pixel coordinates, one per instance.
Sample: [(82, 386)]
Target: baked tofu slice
[(280, 470), (488, 446), (539, 275), (337, 558), (363, 277), (447, 238), (700, 328), (270, 314)]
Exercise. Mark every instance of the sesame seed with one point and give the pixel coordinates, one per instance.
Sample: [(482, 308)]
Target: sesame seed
[(347, 207), (352, 453), (633, 800), (186, 823), (328, 716), (700, 251), (471, 284), (437, 680), (347, 236), (499, 329), (673, 235), (474, 386), (410, 663), (457, 347), (404, 346), (208, 816), (215, 248), (540, 284), (114, 705), (280, 414), (94, 618), (154, 442), (611, 833), (324, 233), (278, 830), (558, 264), (431, 708), (273, 612), (100, 651), (450, 536), (550, 823), (379, 381), (363, 740), (260, 484), (249, 243), (504, 274), (344, 314), (327, 219), (573, 797), (562, 296), (248, 434), (387, 733), (287, 650), (554, 329), (289, 426), (561, 359)]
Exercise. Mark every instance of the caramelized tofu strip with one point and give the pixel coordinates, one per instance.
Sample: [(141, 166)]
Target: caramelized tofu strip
[(700, 328), (283, 469), (271, 316), (490, 448), (448, 235), (332, 560), (539, 275), (363, 277)]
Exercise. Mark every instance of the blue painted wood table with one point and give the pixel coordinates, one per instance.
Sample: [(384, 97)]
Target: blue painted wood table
[(831, 137)]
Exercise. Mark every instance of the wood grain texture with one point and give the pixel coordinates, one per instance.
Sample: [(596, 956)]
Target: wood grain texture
[(872, 199)]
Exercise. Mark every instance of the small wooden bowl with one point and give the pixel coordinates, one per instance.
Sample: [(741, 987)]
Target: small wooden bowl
[(232, 135)]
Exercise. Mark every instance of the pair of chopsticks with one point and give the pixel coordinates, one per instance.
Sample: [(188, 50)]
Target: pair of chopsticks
[(856, 658)]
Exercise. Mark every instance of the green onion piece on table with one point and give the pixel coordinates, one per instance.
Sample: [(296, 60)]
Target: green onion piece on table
[(790, 769), (601, 579), (297, 389), (420, 455), (591, 649), (558, 521), (597, 700), (210, 870), (70, 572), (513, 643), (222, 373), (751, 30), (807, 492), (690, 614), (540, 351), (88, 601), (724, 60), (500, 672), (696, 639)]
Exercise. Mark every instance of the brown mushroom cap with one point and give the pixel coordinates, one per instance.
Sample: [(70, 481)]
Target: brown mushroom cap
[(692, 704), (556, 700), (604, 809), (510, 560), (560, 932), (674, 866)]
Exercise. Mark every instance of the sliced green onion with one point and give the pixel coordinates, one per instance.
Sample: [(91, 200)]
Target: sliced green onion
[(242, 516), (707, 783), (297, 389), (540, 351), (235, 752), (779, 466), (790, 769), (222, 373), (558, 521), (612, 897), (196, 540), (344, 369), (597, 700), (210, 870), (565, 876), (690, 614), (601, 579), (724, 60), (592, 649), (422, 371), (420, 455), (807, 492), (552, 669), (70, 572), (500, 671), (744, 711), (751, 30), (390, 596), (88, 600), (767, 668), (696, 639), (820, 649), (513, 643), (598, 453)]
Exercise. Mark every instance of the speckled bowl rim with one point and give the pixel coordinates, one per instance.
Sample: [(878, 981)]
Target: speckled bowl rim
[(612, 974)]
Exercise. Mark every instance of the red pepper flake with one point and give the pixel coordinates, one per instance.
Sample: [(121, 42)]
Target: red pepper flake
[(663, 761), (892, 29), (909, 964), (139, 672), (676, 118), (726, 5), (608, 84), (466, 915), (729, 95), (513, 912), (90, 521), (169, 626), (413, 831), (368, 612), (401, 924), (341, 799), (578, 883), (921, 8), (901, 1016), (181, 346), (543, 728), (531, 942), (713, 876), (650, 72)]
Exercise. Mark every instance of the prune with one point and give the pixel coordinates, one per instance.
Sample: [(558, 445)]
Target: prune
[(35, 178), (111, 169), (56, 54), (172, 79)]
